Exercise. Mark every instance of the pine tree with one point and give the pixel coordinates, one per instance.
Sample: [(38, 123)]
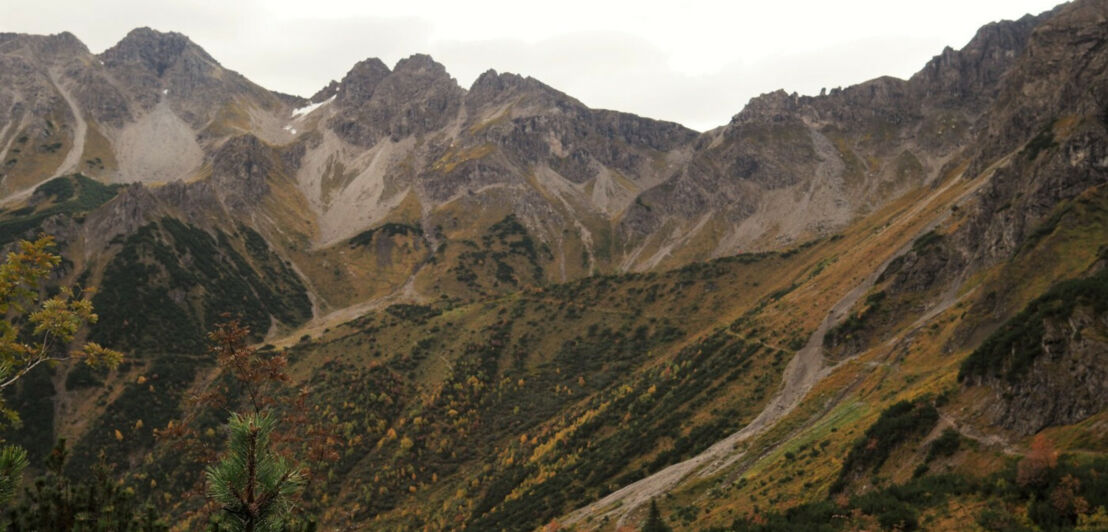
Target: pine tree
[(252, 484), (13, 460), (654, 522)]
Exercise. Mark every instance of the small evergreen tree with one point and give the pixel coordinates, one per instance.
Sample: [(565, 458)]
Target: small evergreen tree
[(13, 460), (252, 484), (251, 381), (654, 522)]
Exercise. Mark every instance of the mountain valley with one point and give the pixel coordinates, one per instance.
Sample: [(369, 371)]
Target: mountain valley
[(505, 310)]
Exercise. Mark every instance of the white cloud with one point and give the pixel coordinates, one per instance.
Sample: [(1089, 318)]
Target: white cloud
[(696, 62)]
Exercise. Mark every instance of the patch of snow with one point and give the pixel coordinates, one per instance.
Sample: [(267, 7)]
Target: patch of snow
[(101, 63), (165, 91), (290, 129), (307, 109)]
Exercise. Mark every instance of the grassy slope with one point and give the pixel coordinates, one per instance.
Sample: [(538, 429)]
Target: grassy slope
[(71, 196), (513, 394), (163, 289), (473, 408), (800, 459), (739, 318), (514, 402)]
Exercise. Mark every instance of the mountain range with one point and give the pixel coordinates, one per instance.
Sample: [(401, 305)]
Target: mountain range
[(523, 311)]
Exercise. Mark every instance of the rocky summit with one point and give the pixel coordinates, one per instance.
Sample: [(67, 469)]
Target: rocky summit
[(883, 307)]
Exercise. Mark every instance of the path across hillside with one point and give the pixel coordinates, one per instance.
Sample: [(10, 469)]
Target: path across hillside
[(802, 373), (805, 370)]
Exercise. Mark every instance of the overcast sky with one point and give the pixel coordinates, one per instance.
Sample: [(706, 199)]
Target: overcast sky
[(696, 62)]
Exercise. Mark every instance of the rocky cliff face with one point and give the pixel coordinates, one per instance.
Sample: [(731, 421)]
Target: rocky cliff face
[(1041, 142), (1052, 111), (1064, 385), (1039, 153), (374, 104)]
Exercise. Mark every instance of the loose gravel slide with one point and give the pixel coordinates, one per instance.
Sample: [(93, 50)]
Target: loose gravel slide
[(73, 158)]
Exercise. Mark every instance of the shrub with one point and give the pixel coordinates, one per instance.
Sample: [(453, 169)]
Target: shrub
[(945, 445), (897, 424)]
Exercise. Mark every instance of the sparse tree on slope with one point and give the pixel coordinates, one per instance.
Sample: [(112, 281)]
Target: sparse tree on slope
[(252, 483), (248, 498), (654, 522)]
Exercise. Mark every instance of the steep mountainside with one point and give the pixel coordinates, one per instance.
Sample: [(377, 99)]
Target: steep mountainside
[(848, 311), (605, 191)]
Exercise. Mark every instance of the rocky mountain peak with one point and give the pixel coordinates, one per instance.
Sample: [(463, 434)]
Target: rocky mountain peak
[(973, 71), (331, 90), (773, 106), (421, 64), (420, 74), (155, 51), (155, 67), (67, 41), (358, 84), (492, 86), (62, 45), (416, 97), (493, 81)]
